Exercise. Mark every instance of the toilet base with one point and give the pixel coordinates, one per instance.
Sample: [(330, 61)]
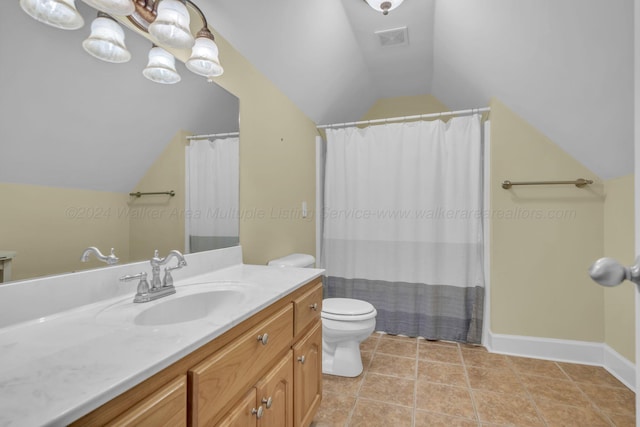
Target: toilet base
[(344, 361)]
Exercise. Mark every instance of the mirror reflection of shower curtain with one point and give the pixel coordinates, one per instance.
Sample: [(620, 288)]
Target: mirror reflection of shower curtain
[(403, 225), (213, 173)]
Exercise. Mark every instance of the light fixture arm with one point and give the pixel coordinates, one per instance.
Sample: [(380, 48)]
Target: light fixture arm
[(147, 10), (609, 272)]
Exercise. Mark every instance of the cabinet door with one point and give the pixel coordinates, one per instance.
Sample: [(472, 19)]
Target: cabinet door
[(243, 414), (307, 376), (275, 394), (165, 407), (220, 379)]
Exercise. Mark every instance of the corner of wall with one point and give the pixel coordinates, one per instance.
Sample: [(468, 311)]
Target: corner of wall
[(619, 232), (543, 238)]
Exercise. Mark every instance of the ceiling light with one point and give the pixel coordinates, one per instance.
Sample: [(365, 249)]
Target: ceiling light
[(106, 41), (384, 6), (171, 26), (57, 13), (113, 7), (204, 56), (167, 23), (161, 67)]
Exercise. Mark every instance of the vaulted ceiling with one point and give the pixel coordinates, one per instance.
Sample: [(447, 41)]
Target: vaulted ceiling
[(566, 66)]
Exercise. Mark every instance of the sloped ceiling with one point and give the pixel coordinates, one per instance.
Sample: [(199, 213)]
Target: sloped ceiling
[(565, 66)]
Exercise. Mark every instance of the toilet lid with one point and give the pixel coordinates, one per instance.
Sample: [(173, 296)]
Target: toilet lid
[(346, 307)]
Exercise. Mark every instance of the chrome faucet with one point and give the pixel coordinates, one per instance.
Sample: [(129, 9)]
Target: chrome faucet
[(109, 259), (157, 289), (157, 262)]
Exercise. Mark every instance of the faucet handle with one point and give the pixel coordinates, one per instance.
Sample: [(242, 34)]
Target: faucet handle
[(112, 258), (168, 278), (142, 293)]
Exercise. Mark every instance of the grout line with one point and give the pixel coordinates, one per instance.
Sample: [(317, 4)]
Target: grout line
[(415, 384), (595, 407), (469, 389), (365, 372), (526, 389)]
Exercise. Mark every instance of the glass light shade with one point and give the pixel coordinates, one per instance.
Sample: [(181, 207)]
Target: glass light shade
[(384, 6), (161, 67), (171, 26), (113, 7), (106, 41), (57, 13), (204, 58)]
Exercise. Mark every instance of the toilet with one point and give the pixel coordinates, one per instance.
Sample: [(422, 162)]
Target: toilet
[(346, 322)]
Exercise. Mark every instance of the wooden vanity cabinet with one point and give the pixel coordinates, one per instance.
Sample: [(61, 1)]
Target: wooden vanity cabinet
[(273, 358), (307, 375), (219, 380), (307, 355), (166, 407), (269, 403)]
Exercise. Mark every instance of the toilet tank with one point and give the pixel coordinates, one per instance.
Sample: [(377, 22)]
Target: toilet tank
[(294, 260)]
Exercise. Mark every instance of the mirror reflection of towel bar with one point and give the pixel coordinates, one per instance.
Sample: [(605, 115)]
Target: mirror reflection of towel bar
[(580, 182), (139, 194)]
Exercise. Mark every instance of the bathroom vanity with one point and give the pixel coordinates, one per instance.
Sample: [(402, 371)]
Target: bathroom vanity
[(247, 352)]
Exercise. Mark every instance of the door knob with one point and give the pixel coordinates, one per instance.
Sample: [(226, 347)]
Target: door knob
[(609, 272)]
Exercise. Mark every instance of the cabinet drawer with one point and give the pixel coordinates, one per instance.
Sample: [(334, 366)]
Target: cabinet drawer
[(221, 377), (307, 308)]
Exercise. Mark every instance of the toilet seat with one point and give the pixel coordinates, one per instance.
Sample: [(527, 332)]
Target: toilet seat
[(347, 309)]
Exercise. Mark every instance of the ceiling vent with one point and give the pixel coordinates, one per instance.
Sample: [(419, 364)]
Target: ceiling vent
[(393, 37)]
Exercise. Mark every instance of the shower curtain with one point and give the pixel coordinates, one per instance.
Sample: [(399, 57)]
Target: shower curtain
[(213, 170), (403, 225)]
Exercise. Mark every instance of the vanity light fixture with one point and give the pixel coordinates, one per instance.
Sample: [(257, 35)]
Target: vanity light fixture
[(106, 41), (161, 67), (171, 26), (384, 6), (204, 56), (168, 23), (57, 13)]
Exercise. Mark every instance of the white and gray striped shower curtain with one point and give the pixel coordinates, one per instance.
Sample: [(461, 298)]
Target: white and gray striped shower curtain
[(402, 225)]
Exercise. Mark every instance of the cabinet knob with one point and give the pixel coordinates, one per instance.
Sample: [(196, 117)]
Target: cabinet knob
[(258, 412), (263, 338), (314, 306), (267, 402), (301, 359)]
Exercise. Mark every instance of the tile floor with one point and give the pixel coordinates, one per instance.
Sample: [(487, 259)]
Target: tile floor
[(412, 382)]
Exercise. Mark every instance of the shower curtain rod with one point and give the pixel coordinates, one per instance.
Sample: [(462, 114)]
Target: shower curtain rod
[(401, 119), (213, 135)]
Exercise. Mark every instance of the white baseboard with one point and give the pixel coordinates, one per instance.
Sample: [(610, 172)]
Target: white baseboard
[(583, 352)]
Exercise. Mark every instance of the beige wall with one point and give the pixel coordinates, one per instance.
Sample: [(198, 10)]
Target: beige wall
[(277, 164), (543, 238), (50, 227), (619, 320), (157, 222), (401, 106)]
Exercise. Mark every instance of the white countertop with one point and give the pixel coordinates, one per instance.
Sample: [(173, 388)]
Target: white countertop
[(57, 368)]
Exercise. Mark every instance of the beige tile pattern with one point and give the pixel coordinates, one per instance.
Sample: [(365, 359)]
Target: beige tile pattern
[(413, 382)]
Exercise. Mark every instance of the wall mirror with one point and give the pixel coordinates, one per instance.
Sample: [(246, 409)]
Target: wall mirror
[(79, 135)]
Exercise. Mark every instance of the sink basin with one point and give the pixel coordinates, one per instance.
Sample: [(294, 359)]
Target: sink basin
[(212, 301), (185, 308)]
